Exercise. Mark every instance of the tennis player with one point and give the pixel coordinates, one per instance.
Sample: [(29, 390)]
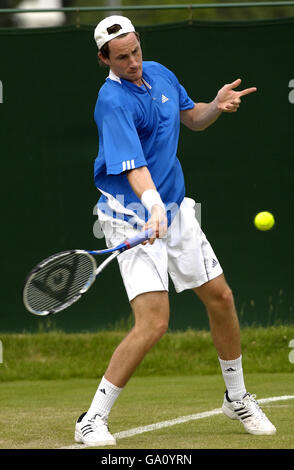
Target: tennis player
[(138, 114)]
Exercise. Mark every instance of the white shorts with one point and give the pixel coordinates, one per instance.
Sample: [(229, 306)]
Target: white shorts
[(184, 254)]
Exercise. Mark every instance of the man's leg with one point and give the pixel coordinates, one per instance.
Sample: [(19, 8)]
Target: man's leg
[(218, 299), (225, 331), (151, 314), (224, 324)]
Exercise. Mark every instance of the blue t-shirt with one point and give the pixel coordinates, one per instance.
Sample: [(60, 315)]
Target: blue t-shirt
[(139, 126)]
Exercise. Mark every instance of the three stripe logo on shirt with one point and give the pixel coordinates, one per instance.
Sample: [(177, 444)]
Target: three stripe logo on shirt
[(128, 165)]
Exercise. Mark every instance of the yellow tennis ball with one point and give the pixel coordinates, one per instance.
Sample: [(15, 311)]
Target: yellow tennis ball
[(264, 221)]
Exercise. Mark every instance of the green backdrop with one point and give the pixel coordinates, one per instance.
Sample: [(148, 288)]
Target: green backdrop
[(241, 165)]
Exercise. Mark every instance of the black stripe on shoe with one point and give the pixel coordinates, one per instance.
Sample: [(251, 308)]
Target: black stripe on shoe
[(86, 427), (239, 409), (81, 417), (245, 417)]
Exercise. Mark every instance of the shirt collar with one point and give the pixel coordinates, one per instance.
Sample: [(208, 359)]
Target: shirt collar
[(115, 78)]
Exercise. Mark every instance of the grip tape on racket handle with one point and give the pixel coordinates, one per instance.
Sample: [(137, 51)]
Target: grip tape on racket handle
[(141, 237)]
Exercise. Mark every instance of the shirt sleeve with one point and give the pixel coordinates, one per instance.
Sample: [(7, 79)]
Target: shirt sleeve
[(121, 144), (184, 99)]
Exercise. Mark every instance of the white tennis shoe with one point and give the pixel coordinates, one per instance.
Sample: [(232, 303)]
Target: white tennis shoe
[(249, 413), (93, 432)]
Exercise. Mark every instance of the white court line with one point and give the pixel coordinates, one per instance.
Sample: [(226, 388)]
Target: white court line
[(173, 422)]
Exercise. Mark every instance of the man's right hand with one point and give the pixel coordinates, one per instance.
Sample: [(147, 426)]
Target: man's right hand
[(157, 222)]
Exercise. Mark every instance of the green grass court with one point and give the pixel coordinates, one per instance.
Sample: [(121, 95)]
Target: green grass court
[(45, 383)]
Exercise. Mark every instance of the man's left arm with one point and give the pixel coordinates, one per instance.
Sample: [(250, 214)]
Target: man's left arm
[(203, 115)]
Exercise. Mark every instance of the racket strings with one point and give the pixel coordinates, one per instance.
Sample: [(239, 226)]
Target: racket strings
[(60, 281)]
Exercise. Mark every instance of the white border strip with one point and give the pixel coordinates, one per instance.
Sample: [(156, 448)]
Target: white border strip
[(180, 420)]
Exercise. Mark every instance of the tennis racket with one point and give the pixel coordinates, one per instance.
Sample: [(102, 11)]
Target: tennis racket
[(60, 280)]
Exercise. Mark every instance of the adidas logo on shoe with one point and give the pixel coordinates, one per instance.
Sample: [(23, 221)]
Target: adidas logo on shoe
[(249, 413), (93, 432)]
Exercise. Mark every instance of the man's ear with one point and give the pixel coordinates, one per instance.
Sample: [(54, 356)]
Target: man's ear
[(103, 59)]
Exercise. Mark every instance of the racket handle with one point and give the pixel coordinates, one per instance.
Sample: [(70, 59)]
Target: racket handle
[(139, 238), (129, 243)]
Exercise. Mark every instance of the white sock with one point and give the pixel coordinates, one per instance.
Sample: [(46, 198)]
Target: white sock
[(104, 399), (233, 376)]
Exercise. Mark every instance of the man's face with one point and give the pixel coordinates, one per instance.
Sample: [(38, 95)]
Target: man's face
[(125, 58)]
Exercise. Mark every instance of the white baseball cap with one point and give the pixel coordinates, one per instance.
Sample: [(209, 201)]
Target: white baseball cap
[(101, 34)]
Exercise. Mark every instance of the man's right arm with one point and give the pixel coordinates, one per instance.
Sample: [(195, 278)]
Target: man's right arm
[(143, 186)]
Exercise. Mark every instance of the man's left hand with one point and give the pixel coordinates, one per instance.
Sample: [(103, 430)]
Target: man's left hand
[(228, 100)]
